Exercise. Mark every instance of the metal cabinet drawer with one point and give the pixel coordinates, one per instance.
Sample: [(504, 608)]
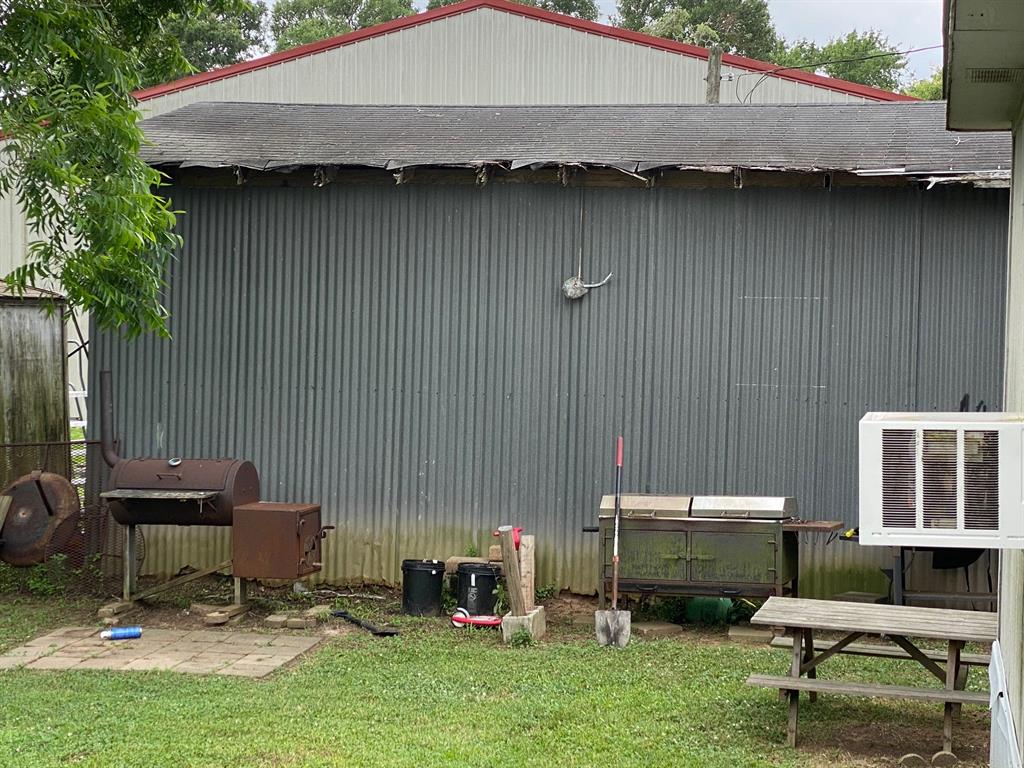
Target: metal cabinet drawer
[(732, 558), (647, 554)]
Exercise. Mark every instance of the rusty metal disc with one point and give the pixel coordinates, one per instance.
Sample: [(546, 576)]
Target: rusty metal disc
[(40, 502)]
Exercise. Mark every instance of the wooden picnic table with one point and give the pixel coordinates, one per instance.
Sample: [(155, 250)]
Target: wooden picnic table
[(895, 623)]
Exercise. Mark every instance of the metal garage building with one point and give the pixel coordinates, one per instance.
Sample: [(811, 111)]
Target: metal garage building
[(474, 52), (402, 352), (480, 52)]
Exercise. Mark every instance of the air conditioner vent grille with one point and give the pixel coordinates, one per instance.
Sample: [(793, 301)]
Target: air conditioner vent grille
[(981, 480), (899, 478), (943, 479), (938, 461)]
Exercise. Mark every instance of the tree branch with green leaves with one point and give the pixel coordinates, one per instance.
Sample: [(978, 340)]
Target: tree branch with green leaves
[(70, 155), (861, 57), (298, 22)]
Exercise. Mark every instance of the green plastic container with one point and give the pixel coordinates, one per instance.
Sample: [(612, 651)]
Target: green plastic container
[(708, 610)]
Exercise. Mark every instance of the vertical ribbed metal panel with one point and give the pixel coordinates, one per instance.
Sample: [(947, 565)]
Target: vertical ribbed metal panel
[(403, 354), (487, 56)]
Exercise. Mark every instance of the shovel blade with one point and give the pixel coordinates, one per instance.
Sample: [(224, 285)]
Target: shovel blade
[(613, 627)]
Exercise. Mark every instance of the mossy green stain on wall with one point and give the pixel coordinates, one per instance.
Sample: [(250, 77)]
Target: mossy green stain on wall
[(33, 397), (825, 583)]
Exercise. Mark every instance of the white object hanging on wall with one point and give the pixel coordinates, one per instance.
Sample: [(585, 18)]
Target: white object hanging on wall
[(575, 288)]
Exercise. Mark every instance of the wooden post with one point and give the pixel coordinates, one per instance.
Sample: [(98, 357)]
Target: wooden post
[(809, 656), (714, 74), (794, 696), (527, 546), (952, 668), (241, 592), (510, 562), (129, 554)]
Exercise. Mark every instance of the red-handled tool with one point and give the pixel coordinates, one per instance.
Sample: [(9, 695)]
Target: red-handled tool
[(613, 627), (615, 536), (516, 536)]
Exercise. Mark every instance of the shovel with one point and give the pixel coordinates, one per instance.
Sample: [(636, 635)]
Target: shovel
[(613, 626)]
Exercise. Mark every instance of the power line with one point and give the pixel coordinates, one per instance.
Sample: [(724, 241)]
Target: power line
[(815, 65)]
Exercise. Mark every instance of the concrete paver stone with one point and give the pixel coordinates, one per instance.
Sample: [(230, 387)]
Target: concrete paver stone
[(52, 662), (239, 654)]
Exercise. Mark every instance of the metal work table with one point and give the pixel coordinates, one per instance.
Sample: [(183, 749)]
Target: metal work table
[(897, 575), (894, 623), (900, 592)]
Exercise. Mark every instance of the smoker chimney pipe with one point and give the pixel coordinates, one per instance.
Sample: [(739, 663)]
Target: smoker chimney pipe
[(107, 420)]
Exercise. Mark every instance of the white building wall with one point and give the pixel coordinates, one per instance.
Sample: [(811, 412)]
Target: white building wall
[(13, 234), (1011, 569)]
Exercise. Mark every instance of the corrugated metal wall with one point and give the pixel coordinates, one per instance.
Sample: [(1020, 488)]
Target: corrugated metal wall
[(403, 354)]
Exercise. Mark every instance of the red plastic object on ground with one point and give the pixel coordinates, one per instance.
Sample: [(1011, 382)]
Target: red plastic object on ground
[(462, 618), (516, 535)]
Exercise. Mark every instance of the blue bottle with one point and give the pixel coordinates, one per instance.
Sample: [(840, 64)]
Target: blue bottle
[(121, 633)]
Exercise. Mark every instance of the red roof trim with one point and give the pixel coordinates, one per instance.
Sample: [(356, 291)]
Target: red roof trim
[(590, 27)]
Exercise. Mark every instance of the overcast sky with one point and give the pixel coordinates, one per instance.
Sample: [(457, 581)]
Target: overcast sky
[(907, 23)]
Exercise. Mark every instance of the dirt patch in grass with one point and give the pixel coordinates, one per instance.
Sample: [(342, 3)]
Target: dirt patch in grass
[(884, 740)]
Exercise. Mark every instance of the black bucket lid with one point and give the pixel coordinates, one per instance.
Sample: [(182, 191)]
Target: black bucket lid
[(481, 569), (422, 565)]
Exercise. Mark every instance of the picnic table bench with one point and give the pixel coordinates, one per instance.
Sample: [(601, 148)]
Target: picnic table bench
[(894, 623), (886, 651)]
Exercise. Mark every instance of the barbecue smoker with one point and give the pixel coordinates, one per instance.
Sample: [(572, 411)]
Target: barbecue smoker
[(720, 546), (269, 540)]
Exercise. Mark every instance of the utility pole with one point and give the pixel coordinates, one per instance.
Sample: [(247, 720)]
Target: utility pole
[(714, 77)]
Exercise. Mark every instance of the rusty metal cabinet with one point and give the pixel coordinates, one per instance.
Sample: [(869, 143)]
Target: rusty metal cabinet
[(700, 556), (270, 540)]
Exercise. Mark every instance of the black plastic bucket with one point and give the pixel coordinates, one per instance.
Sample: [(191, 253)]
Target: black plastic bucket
[(421, 587), (477, 582)]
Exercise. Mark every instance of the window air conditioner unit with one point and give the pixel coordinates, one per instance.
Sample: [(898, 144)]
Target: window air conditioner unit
[(942, 480)]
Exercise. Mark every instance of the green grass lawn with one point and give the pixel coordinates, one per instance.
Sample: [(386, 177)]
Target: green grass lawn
[(439, 697)]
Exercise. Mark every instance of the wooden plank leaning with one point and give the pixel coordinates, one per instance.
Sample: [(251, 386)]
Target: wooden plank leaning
[(510, 562)]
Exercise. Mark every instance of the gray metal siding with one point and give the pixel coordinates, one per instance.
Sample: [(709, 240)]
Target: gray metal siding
[(403, 355), (488, 56)]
